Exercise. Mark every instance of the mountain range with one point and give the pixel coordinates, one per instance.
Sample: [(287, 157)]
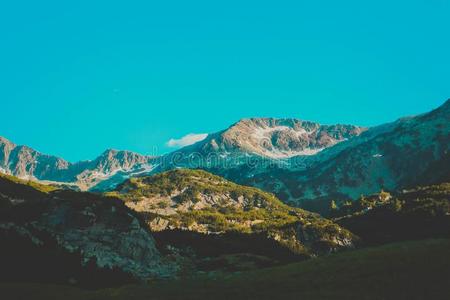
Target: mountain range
[(262, 194), (302, 162)]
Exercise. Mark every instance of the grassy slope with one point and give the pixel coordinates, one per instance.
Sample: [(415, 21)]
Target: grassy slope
[(32, 184), (408, 270), (420, 213), (194, 182), (261, 205)]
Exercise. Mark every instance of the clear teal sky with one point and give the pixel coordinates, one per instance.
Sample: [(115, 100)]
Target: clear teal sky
[(77, 78)]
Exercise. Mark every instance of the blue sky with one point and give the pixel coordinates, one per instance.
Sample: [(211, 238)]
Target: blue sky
[(78, 78)]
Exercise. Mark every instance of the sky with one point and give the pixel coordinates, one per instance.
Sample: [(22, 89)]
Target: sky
[(78, 78)]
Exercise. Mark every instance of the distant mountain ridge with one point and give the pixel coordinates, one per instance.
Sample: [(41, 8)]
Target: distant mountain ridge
[(27, 163), (265, 137)]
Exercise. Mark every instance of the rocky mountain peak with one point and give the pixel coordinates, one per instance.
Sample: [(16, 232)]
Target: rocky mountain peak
[(279, 138), (4, 141), (112, 159)]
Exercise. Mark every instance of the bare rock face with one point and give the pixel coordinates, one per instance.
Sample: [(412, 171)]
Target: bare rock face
[(112, 237), (283, 138)]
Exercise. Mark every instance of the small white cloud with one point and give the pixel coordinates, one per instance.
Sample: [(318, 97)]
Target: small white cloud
[(187, 140)]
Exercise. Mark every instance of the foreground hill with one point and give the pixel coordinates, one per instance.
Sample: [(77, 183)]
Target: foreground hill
[(197, 201), (408, 270), (56, 236)]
